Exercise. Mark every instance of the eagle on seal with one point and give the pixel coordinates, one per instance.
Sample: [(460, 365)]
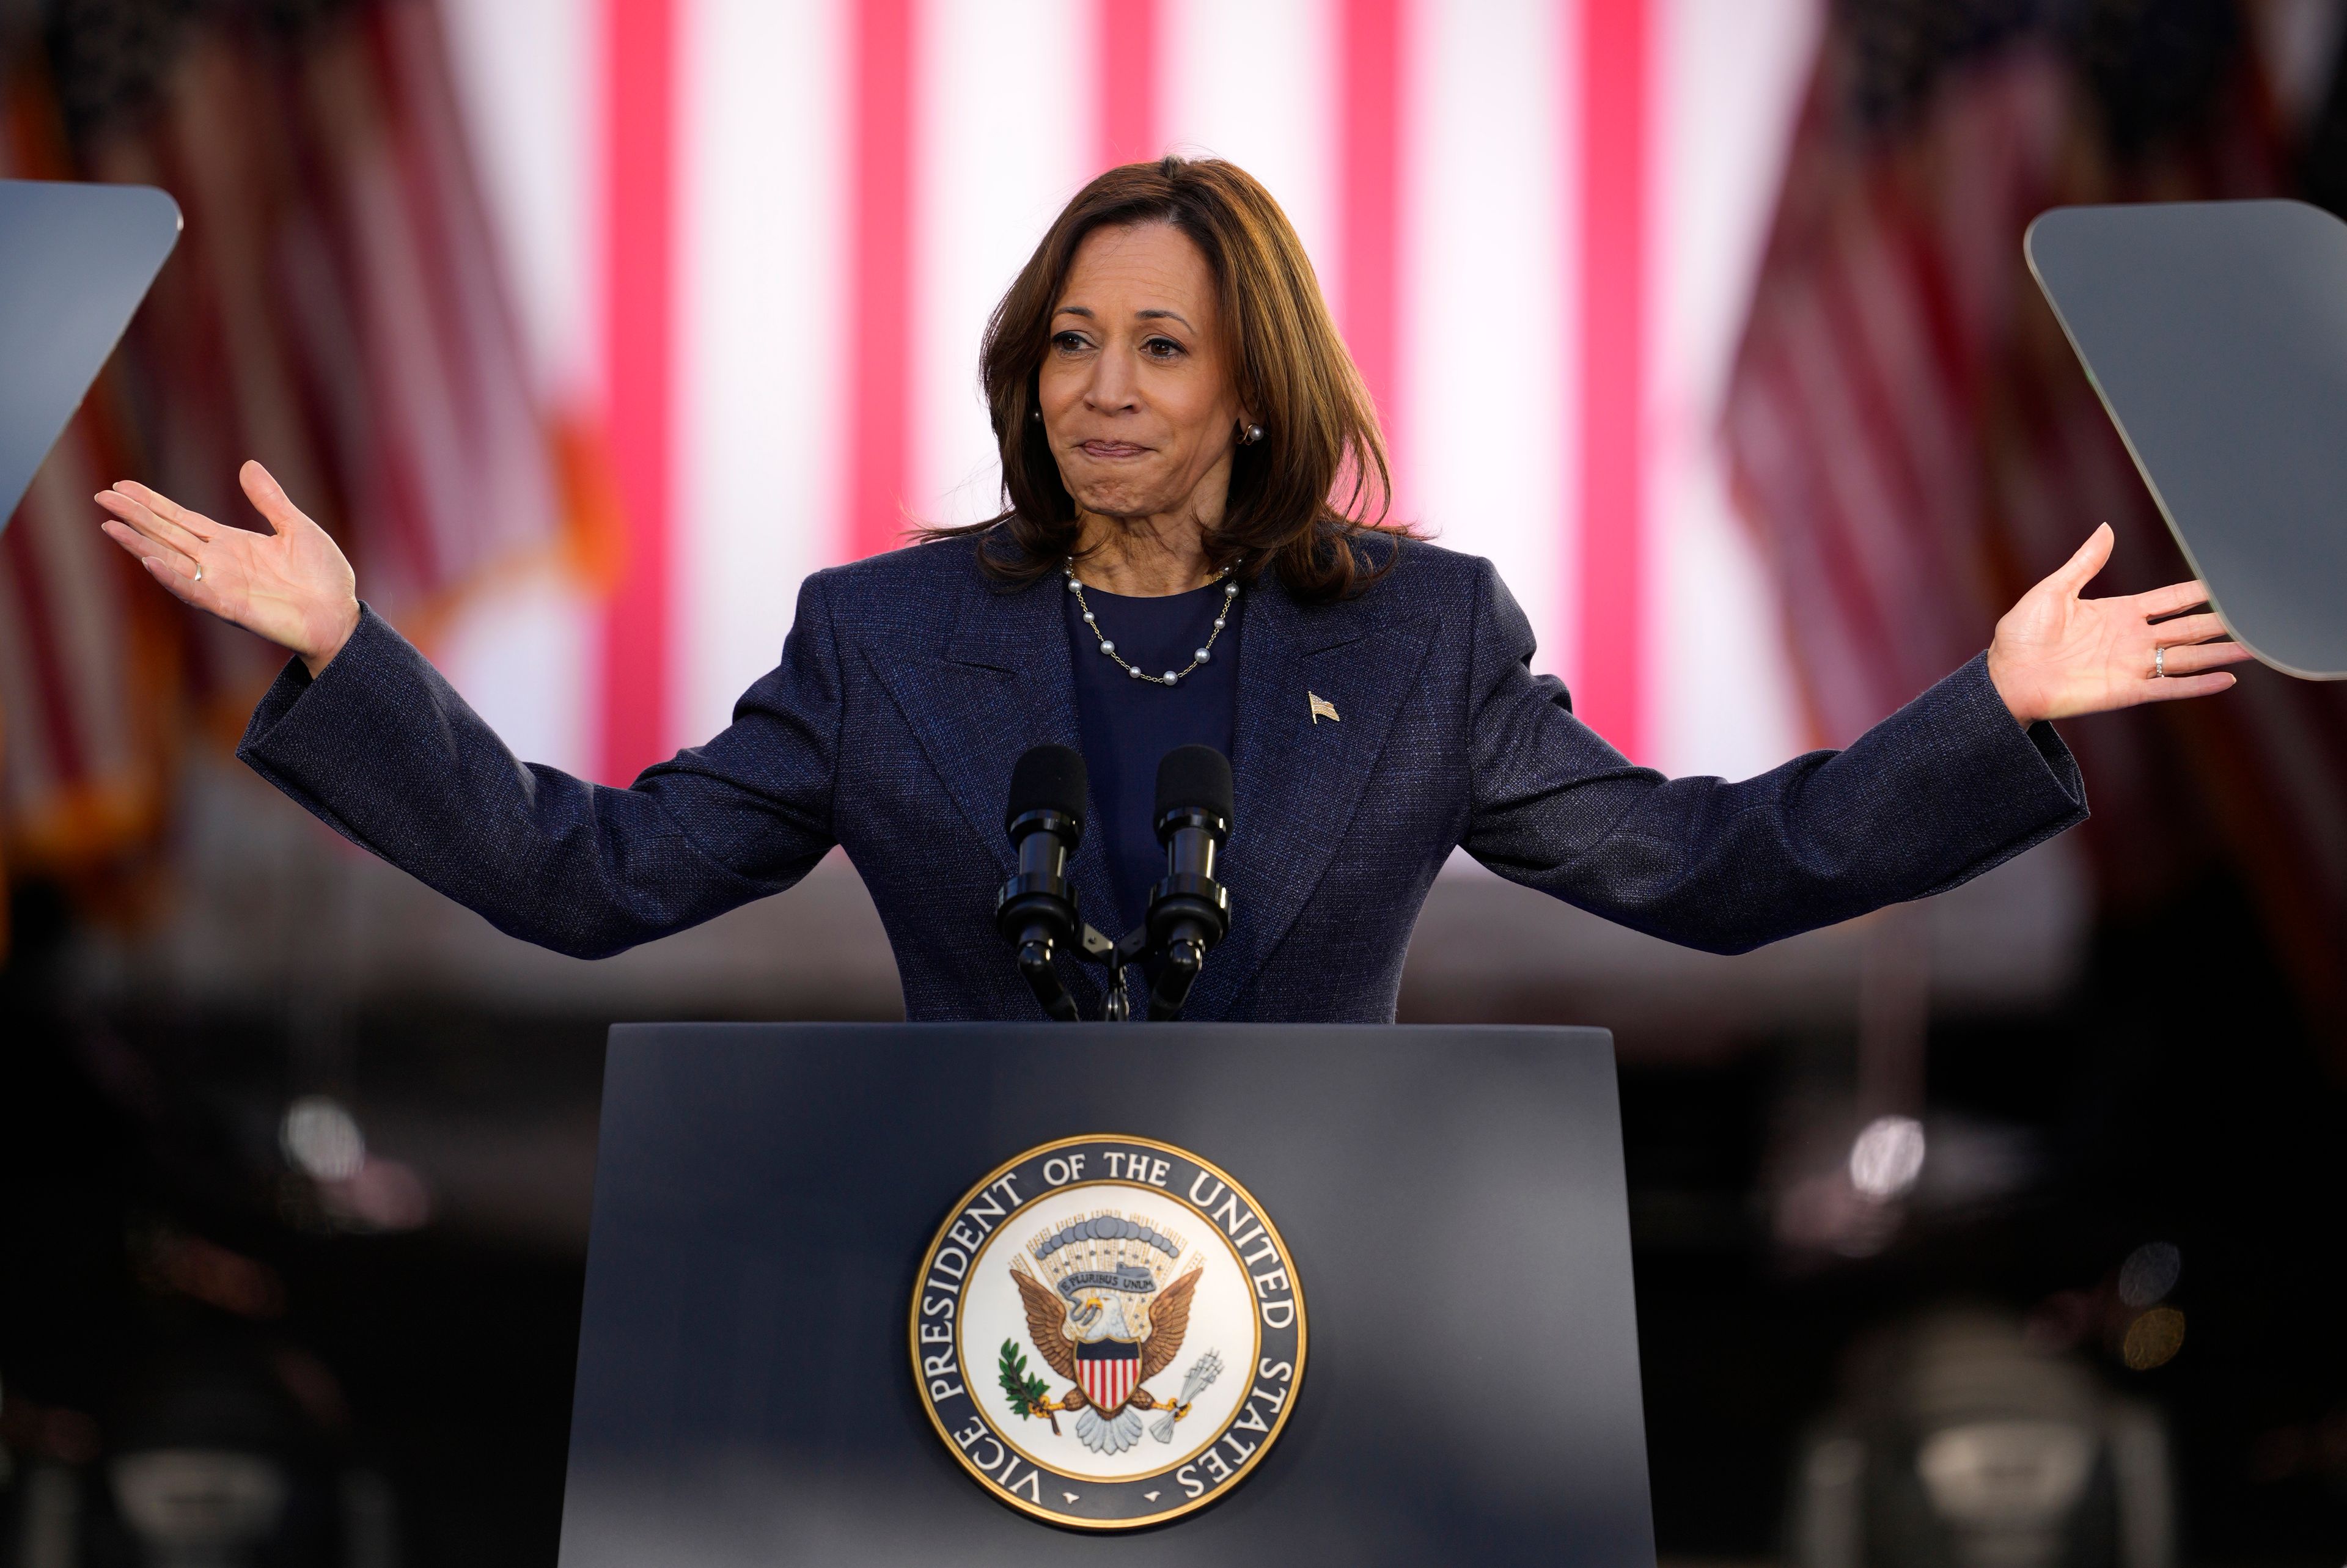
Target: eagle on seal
[(1104, 1342)]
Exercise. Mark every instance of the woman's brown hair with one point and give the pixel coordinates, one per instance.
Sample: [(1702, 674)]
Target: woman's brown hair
[(1320, 428)]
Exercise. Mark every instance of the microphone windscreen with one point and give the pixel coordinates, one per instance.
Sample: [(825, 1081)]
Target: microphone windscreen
[(1048, 778), (1194, 776)]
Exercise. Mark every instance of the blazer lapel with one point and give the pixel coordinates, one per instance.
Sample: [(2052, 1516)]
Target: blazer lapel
[(1004, 681), (1298, 777)]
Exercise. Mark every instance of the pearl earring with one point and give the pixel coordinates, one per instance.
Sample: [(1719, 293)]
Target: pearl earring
[(1252, 433)]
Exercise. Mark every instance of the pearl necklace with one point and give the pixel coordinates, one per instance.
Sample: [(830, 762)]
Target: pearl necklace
[(1171, 677)]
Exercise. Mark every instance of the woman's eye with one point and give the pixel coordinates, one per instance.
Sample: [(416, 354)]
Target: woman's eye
[(1161, 348), (1069, 343)]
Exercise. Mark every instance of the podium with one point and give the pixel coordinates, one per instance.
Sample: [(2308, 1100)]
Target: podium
[(801, 1340)]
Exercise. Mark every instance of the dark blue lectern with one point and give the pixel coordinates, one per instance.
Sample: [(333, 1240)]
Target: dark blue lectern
[(793, 1223)]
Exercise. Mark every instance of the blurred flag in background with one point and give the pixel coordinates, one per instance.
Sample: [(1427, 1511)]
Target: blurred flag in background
[(85, 660), (1916, 443), (334, 309)]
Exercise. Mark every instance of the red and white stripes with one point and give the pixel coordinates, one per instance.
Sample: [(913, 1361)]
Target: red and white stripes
[(800, 214), (640, 318), (1616, 76)]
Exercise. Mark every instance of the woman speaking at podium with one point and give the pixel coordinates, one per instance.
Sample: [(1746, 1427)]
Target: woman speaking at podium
[(1191, 551)]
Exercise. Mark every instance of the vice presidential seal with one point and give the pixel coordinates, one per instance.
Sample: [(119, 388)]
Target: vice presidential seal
[(1108, 1332)]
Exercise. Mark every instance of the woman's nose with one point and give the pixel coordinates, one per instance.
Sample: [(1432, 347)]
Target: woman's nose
[(1113, 381)]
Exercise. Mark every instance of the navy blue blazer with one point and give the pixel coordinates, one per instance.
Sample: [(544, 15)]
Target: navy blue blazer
[(910, 683)]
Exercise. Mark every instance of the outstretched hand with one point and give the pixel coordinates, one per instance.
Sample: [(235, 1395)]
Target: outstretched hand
[(291, 585), (2058, 655)]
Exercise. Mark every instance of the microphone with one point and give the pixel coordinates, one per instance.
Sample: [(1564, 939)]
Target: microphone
[(1037, 910), (1189, 911)]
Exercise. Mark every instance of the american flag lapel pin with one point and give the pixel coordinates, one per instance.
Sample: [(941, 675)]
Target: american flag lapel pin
[(1323, 709)]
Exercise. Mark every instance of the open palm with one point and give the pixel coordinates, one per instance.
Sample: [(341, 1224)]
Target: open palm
[(291, 585), (2058, 654)]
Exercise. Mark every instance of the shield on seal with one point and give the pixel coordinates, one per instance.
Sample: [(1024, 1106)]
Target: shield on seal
[(1109, 1370)]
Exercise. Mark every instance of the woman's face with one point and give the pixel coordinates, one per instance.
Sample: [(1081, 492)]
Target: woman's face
[(1138, 398)]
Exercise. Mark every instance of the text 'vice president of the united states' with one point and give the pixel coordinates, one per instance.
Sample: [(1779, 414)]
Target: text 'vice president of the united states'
[(1193, 548)]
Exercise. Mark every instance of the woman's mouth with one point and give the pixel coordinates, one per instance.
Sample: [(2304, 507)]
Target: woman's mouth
[(1110, 451)]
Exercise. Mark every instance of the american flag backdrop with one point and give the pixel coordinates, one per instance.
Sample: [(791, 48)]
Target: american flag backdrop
[(83, 669), (334, 308), (757, 242), (1916, 443)]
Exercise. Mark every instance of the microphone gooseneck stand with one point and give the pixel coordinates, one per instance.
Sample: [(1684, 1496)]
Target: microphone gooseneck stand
[(1189, 911)]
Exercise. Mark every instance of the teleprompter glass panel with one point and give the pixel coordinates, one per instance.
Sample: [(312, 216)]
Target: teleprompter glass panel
[(2216, 335), (75, 262)]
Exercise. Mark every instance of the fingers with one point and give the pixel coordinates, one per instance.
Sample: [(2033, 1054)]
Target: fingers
[(269, 498), (2173, 689), (163, 507), (2168, 601), (177, 528), (174, 568), (2186, 629), (180, 581), (145, 548), (2080, 569), (2202, 656)]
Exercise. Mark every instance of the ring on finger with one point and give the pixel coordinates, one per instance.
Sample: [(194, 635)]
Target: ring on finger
[(2159, 661), (199, 573)]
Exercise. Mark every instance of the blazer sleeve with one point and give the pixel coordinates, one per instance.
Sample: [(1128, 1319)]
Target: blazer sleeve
[(1944, 789), (382, 749)]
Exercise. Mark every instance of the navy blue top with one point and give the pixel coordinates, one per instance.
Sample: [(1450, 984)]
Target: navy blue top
[(1127, 724)]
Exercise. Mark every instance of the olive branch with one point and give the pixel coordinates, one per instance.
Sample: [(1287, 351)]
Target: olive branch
[(1029, 1396)]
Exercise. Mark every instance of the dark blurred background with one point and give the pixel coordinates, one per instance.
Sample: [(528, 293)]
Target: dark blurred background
[(2002, 1230)]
